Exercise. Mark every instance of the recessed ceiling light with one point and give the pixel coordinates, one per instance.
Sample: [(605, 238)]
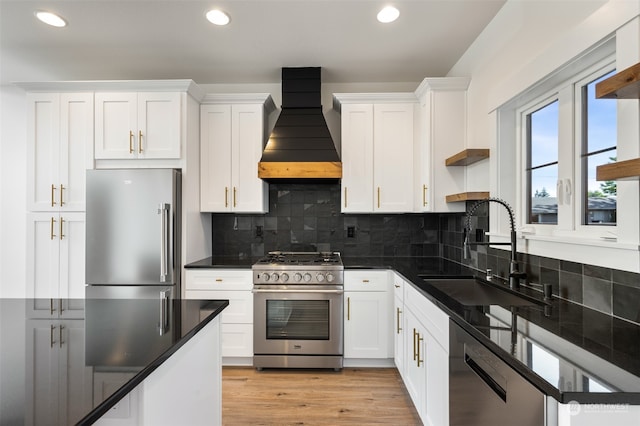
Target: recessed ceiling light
[(388, 14), (50, 18), (218, 17)]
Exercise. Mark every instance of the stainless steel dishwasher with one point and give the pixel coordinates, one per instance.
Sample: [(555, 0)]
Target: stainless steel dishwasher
[(484, 390)]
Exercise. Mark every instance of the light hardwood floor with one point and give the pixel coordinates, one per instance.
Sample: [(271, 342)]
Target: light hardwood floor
[(353, 396)]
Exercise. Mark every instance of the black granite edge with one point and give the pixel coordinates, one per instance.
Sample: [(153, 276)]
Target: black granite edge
[(222, 262), (114, 398)]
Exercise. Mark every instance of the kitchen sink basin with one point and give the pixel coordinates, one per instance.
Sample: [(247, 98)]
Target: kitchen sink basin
[(469, 291)]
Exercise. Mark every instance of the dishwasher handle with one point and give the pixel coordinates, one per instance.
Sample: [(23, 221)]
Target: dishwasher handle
[(485, 377)]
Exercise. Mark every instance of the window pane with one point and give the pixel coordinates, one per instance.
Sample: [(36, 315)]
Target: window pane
[(599, 198), (542, 173), (544, 205), (544, 135)]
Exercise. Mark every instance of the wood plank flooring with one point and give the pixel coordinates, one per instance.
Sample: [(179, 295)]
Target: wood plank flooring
[(353, 396)]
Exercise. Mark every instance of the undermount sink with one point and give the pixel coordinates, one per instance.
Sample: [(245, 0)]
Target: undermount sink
[(470, 292)]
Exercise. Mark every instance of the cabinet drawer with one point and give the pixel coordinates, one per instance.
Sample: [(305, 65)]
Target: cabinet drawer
[(366, 280), (223, 279), (435, 321), (237, 340), (398, 286), (240, 309)]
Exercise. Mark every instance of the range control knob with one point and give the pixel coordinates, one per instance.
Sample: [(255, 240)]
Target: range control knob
[(284, 277), (330, 277), (297, 277), (307, 277), (265, 277), (320, 277), (275, 276)]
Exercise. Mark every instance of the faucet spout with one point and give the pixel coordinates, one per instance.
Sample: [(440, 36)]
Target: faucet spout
[(515, 275)]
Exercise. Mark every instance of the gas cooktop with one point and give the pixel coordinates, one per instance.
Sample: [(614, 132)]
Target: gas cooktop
[(280, 267)]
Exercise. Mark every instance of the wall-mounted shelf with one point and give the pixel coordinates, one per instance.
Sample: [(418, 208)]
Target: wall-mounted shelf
[(623, 85), (619, 170), (466, 157), (467, 196)]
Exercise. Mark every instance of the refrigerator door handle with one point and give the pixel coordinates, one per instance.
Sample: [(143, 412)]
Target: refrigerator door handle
[(164, 312), (163, 210)]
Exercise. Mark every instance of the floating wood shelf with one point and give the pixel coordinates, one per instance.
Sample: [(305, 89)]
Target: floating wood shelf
[(467, 196), (466, 157), (623, 85), (619, 170)]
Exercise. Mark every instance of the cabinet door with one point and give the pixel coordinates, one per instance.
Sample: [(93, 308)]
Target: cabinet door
[(43, 254), (436, 398), (76, 149), (71, 270), (398, 335), (76, 379), (215, 158), (158, 130), (248, 193), (43, 145), (357, 158), (367, 325), (393, 157), (415, 370), (116, 125)]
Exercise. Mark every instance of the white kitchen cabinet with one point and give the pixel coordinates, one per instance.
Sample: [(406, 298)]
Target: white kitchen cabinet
[(56, 372), (232, 138), (426, 357), (398, 324), (367, 323), (237, 318), (440, 133), (377, 152), (59, 150), (137, 125)]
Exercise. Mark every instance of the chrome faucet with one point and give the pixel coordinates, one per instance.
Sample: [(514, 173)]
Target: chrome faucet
[(514, 273)]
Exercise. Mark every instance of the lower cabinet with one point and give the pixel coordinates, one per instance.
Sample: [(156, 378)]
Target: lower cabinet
[(367, 321), (234, 285), (426, 357), (398, 324), (57, 373)]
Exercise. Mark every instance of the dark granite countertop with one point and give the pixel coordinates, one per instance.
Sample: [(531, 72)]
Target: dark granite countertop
[(568, 351), (53, 369)]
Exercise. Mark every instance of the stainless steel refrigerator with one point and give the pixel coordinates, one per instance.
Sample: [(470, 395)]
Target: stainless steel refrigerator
[(133, 229), (132, 261)]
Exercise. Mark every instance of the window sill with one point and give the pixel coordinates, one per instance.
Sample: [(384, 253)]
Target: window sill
[(594, 242)]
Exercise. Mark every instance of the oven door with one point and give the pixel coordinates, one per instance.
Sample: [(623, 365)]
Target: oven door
[(298, 320)]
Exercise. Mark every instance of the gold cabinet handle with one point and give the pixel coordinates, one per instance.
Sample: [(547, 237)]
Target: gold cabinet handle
[(396, 286), (345, 196), (378, 197), (61, 190), (60, 341), (424, 195), (348, 308), (226, 196), (51, 308), (61, 224), (398, 328), (365, 281), (52, 339), (53, 195), (415, 334), (60, 305), (234, 197), (130, 142), (140, 141), (52, 223), (218, 280), (419, 361)]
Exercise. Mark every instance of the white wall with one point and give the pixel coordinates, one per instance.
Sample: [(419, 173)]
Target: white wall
[(13, 201)]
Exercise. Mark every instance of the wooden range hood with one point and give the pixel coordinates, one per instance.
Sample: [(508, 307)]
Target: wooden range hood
[(300, 147)]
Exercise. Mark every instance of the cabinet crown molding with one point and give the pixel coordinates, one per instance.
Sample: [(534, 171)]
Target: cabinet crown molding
[(365, 98), (184, 85), (442, 83), (240, 98)]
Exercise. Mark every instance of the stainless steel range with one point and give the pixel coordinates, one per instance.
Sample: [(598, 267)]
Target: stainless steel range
[(298, 310)]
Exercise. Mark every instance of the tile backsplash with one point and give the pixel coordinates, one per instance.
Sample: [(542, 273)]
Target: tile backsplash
[(305, 217)]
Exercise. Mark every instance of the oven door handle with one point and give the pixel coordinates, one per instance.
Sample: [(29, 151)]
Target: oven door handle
[(260, 290)]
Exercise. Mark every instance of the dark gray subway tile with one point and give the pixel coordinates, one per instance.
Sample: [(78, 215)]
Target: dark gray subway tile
[(596, 293), (597, 272), (626, 302), (571, 286)]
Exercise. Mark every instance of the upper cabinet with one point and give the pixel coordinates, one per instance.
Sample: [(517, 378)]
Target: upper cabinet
[(232, 137), (142, 125), (377, 152), (59, 150), (441, 125)]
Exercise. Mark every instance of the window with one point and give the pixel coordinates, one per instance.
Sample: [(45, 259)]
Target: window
[(542, 163), (599, 137)]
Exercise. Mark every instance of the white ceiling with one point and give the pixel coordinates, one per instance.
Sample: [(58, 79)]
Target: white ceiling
[(154, 39)]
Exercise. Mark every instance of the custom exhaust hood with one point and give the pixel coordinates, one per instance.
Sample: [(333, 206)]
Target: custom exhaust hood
[(300, 146)]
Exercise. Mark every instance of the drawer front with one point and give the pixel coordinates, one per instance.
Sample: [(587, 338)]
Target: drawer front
[(237, 340), (435, 321), (214, 279), (366, 280), (240, 309), (398, 286)]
